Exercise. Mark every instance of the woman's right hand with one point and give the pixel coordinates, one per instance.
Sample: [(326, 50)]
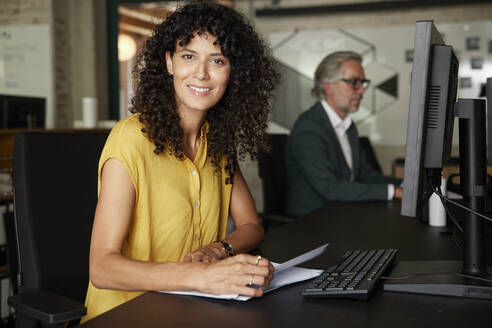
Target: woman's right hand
[(235, 274)]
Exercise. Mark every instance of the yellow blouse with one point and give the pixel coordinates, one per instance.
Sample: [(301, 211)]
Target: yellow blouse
[(180, 205)]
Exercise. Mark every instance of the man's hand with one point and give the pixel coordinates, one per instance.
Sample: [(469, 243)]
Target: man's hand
[(398, 192)]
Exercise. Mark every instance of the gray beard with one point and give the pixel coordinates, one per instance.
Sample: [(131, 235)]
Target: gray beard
[(349, 110)]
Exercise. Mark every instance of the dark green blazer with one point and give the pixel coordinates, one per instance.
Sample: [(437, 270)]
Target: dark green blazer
[(317, 170)]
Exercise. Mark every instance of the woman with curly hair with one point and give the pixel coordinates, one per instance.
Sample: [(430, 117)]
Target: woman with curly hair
[(169, 175)]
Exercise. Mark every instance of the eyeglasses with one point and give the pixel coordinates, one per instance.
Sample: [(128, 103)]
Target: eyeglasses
[(357, 83)]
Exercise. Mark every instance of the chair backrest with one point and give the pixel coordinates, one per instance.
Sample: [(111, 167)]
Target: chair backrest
[(55, 195), (273, 175), (366, 146)]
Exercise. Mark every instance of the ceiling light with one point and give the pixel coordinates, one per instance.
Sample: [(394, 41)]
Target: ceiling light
[(127, 47)]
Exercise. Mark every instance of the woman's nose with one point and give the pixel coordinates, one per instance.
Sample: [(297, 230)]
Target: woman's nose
[(201, 71)]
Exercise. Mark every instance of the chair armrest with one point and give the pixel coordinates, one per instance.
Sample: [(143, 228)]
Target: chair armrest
[(47, 307)]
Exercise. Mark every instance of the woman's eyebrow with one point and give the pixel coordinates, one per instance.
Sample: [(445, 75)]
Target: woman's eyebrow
[(217, 54), (192, 51), (186, 49)]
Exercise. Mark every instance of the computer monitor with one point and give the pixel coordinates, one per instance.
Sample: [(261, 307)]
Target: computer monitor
[(430, 117), (433, 107), (487, 93), (18, 112)]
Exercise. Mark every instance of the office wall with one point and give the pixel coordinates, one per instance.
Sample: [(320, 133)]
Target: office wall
[(26, 51), (43, 24), (386, 150), (78, 61)]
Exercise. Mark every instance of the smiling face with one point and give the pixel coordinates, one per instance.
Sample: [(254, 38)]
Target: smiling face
[(200, 73), (342, 96)]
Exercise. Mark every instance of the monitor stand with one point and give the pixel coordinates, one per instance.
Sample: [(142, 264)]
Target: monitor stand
[(473, 174), (437, 284)]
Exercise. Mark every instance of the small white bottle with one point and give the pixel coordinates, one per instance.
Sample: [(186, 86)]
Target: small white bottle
[(89, 112), (437, 213)]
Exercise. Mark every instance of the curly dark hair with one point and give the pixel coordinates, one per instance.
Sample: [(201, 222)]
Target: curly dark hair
[(238, 121)]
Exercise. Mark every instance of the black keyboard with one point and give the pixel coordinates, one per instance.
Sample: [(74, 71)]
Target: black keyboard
[(354, 276)]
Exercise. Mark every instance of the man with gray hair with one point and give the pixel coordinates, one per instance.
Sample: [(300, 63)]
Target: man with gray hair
[(324, 158)]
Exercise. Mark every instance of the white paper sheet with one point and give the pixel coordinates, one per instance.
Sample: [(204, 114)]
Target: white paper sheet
[(285, 274), (301, 258)]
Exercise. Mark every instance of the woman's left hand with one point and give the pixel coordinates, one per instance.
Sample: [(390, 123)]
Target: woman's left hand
[(208, 254)]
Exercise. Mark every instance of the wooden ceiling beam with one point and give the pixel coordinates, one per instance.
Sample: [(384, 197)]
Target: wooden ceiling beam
[(135, 22)]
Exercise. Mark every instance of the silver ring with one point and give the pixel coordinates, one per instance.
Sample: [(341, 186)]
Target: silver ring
[(258, 259), (251, 281)]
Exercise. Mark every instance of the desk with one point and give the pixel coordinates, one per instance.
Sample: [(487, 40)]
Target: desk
[(345, 226)]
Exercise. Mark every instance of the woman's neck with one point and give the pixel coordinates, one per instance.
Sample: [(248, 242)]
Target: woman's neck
[(191, 124)]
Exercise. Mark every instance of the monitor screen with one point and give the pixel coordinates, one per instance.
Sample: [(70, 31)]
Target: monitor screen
[(19, 112)]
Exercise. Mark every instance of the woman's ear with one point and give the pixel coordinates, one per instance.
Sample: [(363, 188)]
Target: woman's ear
[(169, 63)]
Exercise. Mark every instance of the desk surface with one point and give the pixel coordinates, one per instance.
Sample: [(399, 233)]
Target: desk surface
[(345, 226)]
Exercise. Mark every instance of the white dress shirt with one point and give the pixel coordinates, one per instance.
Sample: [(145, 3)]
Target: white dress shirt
[(341, 126)]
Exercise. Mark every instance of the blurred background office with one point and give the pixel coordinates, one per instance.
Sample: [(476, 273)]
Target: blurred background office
[(66, 51)]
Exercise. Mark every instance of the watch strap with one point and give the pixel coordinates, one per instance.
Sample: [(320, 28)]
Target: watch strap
[(227, 248)]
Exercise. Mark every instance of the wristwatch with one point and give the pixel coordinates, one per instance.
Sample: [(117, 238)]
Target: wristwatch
[(227, 248)]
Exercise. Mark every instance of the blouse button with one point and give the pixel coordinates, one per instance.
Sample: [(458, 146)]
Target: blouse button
[(193, 172), (196, 204), (197, 237)]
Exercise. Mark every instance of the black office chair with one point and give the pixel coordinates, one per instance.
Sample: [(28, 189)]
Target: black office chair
[(366, 146), (273, 174), (55, 195)]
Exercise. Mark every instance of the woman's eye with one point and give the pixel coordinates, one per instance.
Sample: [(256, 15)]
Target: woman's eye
[(187, 56), (219, 61)]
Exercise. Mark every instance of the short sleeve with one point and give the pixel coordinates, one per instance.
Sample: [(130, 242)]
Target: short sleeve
[(123, 145)]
